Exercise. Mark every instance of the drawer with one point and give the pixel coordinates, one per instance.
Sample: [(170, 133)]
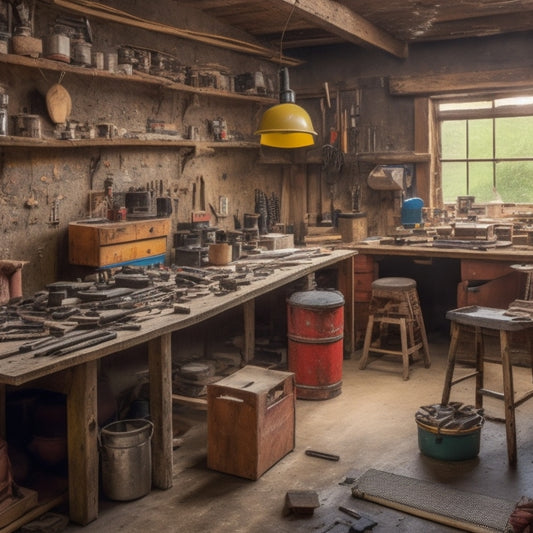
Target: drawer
[(120, 253), (497, 293), (363, 263), (484, 270), (152, 228)]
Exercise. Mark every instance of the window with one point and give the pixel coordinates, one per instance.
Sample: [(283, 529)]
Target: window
[(487, 149)]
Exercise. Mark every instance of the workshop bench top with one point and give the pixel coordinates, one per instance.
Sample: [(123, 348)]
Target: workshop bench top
[(24, 367)]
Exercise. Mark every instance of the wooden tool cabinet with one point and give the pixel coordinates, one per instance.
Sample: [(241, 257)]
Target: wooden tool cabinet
[(109, 243)]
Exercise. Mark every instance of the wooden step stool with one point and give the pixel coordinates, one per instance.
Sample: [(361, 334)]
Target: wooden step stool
[(394, 301), (483, 319)]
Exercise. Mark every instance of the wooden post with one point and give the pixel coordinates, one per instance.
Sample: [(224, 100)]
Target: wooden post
[(298, 194), (248, 309), (82, 427), (346, 286), (422, 144), (160, 368)]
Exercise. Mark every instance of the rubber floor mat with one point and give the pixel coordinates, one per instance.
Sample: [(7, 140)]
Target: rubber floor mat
[(434, 501)]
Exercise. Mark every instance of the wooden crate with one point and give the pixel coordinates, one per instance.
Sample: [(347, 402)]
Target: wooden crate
[(250, 421)]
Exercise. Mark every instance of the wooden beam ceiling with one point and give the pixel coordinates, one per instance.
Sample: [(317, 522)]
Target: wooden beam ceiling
[(344, 22)]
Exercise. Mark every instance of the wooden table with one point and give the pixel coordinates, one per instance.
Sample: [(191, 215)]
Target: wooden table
[(75, 374), (515, 254)]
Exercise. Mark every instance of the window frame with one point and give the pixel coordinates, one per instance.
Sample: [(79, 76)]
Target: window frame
[(493, 112)]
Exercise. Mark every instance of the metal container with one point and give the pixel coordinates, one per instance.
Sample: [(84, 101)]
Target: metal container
[(4, 99), (315, 330), (58, 47), (126, 455), (448, 444), (81, 52), (25, 125)]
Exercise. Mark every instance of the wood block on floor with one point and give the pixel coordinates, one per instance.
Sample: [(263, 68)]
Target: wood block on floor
[(14, 508)]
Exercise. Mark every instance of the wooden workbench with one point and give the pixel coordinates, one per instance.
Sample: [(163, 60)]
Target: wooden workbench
[(75, 374), (515, 254), (482, 277)]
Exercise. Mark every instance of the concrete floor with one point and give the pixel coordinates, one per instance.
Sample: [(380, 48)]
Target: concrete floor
[(370, 425)]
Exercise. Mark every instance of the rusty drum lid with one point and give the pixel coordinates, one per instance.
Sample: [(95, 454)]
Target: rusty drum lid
[(325, 298)]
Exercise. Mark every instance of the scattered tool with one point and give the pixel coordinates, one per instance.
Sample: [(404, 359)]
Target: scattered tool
[(322, 455)]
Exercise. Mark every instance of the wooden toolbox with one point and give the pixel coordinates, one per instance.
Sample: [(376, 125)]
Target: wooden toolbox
[(250, 421), (110, 243)]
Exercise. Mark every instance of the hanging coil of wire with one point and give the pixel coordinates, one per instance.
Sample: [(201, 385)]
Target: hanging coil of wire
[(332, 158), (274, 210), (261, 208)]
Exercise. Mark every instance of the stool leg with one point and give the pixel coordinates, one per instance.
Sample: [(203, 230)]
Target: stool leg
[(508, 396), (368, 340), (479, 347), (405, 354), (452, 352)]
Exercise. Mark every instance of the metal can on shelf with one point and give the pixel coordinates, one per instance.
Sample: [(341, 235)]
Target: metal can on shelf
[(4, 99)]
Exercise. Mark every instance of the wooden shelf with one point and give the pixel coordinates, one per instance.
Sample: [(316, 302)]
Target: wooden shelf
[(136, 77), (392, 158), (30, 142)]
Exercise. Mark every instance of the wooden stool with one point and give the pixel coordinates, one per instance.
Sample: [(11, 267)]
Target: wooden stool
[(481, 319), (394, 301)]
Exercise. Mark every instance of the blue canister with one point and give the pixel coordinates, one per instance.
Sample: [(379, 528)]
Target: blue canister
[(412, 212)]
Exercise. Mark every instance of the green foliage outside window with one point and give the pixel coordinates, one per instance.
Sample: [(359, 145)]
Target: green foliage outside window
[(489, 158)]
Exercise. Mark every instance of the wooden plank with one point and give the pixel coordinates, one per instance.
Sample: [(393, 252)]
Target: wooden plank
[(136, 77), (393, 157), (344, 22), (434, 84), (198, 403), (34, 513), (93, 9), (82, 429), (160, 369)]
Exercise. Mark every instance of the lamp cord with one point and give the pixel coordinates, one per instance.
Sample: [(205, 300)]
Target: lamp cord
[(284, 30)]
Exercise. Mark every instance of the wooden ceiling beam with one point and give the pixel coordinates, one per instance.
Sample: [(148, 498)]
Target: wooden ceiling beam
[(344, 22), (437, 84)]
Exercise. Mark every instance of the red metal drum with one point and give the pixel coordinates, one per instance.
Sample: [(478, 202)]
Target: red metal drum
[(315, 330)]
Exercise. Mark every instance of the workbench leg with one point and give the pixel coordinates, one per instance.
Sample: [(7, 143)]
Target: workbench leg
[(508, 397), (82, 428), (160, 368), (345, 284), (248, 309), (3, 412), (452, 352)]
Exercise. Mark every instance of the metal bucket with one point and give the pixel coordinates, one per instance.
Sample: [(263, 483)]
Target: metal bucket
[(315, 327), (449, 444), (126, 459)]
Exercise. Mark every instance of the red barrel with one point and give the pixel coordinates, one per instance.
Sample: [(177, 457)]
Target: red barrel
[(315, 327)]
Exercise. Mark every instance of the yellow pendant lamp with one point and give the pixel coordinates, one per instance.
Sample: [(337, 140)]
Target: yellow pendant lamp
[(286, 125)]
